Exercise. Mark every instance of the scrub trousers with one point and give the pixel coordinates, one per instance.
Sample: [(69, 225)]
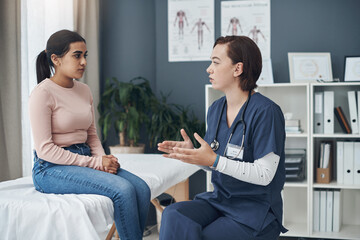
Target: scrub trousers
[(129, 193), (197, 219)]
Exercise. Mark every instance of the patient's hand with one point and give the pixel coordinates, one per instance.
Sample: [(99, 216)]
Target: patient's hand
[(110, 164), (167, 146)]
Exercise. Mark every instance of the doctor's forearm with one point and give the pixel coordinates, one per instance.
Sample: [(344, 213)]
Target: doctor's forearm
[(261, 172)]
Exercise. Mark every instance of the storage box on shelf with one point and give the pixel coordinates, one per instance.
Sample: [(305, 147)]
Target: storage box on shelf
[(350, 193)]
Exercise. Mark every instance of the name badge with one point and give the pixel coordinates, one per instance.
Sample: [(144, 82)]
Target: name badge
[(233, 151)]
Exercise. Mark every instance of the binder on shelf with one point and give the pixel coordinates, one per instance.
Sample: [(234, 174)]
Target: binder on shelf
[(358, 110), (323, 170), (329, 210), (340, 162), (342, 119), (322, 211), (337, 211), (348, 162), (318, 113), (329, 112), (316, 216), (353, 112), (357, 163)]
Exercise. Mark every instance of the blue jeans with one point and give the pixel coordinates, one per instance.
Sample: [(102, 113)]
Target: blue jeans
[(129, 193)]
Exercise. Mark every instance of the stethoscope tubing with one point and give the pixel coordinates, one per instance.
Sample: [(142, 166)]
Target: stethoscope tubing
[(215, 144)]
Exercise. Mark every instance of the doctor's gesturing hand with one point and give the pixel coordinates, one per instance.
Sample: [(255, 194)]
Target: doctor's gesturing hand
[(185, 151)]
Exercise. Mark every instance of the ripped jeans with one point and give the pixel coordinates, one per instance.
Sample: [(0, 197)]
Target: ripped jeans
[(129, 193)]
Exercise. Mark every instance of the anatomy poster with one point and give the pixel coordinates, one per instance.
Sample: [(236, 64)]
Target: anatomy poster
[(190, 30), (248, 18)]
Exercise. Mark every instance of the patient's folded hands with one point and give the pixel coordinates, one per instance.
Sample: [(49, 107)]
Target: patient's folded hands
[(110, 164)]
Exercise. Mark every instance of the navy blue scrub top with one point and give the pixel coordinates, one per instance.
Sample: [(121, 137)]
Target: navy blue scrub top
[(253, 205)]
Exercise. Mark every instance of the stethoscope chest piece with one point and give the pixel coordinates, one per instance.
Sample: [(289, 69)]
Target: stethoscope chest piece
[(214, 145)]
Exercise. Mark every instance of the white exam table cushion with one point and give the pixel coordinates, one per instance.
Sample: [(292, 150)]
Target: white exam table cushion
[(28, 214)]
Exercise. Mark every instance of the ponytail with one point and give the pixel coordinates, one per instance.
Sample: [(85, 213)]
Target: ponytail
[(58, 44), (42, 67)]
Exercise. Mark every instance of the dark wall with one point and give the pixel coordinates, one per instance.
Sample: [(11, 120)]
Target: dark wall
[(133, 37), (314, 26), (134, 42), (127, 44), (296, 26), (127, 39)]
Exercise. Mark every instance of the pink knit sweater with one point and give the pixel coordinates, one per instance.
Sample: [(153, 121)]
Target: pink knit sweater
[(61, 117)]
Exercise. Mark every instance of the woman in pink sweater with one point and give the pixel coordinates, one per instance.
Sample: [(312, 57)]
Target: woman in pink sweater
[(69, 157)]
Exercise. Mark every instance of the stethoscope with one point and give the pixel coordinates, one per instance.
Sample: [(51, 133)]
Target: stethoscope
[(215, 144)]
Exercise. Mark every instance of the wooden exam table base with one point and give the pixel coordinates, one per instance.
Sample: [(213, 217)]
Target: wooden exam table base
[(180, 192)]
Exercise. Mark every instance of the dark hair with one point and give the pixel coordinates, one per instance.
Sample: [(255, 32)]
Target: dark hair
[(243, 49), (58, 44)]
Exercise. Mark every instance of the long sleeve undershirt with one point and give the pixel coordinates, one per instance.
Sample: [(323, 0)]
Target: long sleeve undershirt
[(260, 172)]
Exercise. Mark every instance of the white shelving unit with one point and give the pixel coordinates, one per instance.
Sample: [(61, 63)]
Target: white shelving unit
[(350, 228), (298, 99)]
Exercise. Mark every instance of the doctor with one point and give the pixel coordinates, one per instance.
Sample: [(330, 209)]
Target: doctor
[(244, 149)]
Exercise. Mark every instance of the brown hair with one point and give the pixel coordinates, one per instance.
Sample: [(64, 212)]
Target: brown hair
[(243, 49)]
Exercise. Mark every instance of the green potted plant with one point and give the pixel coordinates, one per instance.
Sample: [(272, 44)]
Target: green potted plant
[(167, 119), (125, 106)]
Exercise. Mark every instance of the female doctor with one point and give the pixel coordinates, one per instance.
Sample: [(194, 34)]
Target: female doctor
[(244, 149)]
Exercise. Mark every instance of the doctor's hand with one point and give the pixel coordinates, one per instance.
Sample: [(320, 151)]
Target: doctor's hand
[(110, 164), (168, 146), (203, 156)]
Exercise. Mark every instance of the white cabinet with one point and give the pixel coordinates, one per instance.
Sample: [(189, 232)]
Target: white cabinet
[(298, 99), (350, 194)]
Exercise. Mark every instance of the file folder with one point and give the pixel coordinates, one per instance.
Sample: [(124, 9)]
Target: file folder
[(329, 210), (318, 113), (358, 110), (357, 163), (353, 112), (316, 216), (340, 162), (337, 211), (329, 112), (323, 170), (348, 162), (322, 211), (342, 120)]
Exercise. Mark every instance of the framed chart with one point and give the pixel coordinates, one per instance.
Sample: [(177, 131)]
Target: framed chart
[(309, 67), (352, 68), (266, 76)]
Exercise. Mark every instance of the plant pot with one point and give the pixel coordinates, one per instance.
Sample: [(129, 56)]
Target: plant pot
[(127, 149)]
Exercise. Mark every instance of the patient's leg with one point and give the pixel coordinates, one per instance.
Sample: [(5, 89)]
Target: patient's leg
[(142, 194), (61, 179)]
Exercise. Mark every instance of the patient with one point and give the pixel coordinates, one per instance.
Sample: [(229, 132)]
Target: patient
[(69, 157)]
